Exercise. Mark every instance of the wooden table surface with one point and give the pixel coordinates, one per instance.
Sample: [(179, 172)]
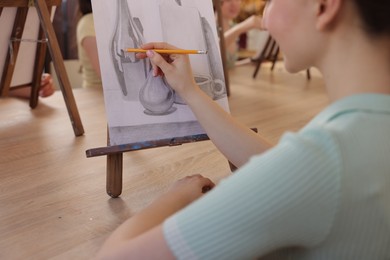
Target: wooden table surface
[(53, 203)]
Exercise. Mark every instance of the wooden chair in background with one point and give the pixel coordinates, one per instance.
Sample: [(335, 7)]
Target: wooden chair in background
[(270, 53)]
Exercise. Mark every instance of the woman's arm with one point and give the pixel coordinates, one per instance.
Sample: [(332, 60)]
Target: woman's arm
[(90, 46), (235, 140), (128, 238), (231, 35)]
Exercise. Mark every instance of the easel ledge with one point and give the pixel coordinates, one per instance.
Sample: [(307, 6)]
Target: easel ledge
[(100, 151), (114, 171), (115, 157)]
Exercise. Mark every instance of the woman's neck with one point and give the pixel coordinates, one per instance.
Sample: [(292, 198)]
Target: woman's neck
[(356, 65)]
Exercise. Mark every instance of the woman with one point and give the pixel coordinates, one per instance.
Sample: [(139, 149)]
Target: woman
[(321, 193), (230, 9), (87, 47)]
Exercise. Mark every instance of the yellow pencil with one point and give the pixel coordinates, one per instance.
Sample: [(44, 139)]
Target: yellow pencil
[(168, 51)]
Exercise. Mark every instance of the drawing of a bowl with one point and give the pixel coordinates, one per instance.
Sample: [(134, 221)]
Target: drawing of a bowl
[(204, 82)]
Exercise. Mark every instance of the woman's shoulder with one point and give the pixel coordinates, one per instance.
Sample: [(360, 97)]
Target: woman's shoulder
[(85, 19), (85, 26)]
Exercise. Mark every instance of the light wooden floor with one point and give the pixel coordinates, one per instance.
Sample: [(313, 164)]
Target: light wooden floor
[(53, 203)]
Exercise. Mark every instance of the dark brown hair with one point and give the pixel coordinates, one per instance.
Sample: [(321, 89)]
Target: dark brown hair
[(85, 6), (375, 15)]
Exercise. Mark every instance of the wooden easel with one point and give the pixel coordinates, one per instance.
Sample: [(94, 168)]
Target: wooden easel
[(43, 8), (114, 153), (269, 53), (217, 6)]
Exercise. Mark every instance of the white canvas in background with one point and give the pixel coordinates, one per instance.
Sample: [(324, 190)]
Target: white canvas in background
[(141, 107), (24, 64)]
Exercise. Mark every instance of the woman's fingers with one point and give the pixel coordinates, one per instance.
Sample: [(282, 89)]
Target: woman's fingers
[(204, 182), (47, 86), (155, 45), (158, 62), (207, 185), (176, 68)]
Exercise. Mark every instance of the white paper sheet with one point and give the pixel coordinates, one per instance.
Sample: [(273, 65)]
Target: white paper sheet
[(134, 116)]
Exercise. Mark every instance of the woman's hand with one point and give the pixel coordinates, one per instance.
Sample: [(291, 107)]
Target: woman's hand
[(47, 86), (189, 189), (176, 68)]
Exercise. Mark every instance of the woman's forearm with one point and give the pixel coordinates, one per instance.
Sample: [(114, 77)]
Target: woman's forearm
[(182, 193), (151, 216), (231, 35), (235, 140)]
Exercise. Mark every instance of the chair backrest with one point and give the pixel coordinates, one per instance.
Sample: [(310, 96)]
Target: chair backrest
[(270, 52), (270, 49)]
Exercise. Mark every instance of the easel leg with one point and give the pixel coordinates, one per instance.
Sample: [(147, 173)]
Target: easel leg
[(59, 66), (308, 75), (114, 174), (39, 64)]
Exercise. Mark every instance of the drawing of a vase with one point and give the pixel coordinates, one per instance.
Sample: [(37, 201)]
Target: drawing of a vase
[(131, 72), (156, 96)]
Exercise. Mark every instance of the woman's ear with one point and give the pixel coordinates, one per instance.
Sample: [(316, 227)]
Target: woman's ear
[(327, 11)]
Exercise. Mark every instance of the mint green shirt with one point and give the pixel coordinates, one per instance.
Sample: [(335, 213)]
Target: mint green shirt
[(321, 193)]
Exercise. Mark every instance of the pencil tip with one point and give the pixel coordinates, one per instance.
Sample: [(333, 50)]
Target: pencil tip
[(202, 52)]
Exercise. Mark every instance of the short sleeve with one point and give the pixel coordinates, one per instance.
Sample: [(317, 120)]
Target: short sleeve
[(85, 28), (285, 197)]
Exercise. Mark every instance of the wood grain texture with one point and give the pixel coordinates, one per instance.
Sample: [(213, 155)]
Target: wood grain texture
[(53, 200)]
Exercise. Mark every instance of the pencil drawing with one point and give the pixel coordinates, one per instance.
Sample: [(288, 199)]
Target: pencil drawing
[(135, 75), (218, 86), (170, 14), (156, 96), (139, 106), (128, 68)]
